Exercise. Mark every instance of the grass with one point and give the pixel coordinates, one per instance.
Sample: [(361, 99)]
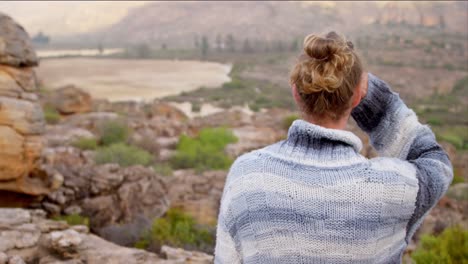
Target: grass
[(73, 219), (288, 120), (86, 143), (450, 247), (124, 155), (205, 151), (164, 169), (177, 229), (112, 132), (51, 115)]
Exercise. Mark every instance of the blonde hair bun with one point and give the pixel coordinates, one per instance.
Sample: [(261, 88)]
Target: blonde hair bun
[(330, 61)]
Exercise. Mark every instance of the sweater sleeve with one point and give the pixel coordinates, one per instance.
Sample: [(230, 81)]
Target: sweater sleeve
[(395, 131)]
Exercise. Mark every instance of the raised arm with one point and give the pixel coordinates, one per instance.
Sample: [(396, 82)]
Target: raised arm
[(395, 132)]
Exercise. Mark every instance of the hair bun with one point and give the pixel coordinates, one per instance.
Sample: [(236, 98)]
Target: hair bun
[(330, 60)]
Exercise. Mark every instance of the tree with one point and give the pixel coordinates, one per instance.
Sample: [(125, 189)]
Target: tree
[(230, 43), (205, 46), (143, 51), (219, 43), (294, 45), (100, 48), (247, 48), (196, 42)]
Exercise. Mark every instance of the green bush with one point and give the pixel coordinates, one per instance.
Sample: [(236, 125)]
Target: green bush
[(434, 121), (449, 247), (114, 132), (206, 151), (123, 154), (73, 219), (453, 139), (86, 143), (177, 229), (235, 83), (51, 115), (287, 121), (163, 169)]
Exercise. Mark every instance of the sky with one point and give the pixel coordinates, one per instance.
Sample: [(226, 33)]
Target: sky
[(61, 18)]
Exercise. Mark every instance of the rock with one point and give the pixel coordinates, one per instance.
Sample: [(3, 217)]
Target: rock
[(166, 110), (71, 245), (73, 209), (184, 256), (3, 258), (90, 121), (16, 260), (51, 208), (21, 118), (65, 242), (252, 137), (15, 45), (70, 100), (64, 135), (458, 192), (197, 193)]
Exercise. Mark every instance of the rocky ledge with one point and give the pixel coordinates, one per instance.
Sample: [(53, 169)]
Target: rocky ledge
[(26, 236)]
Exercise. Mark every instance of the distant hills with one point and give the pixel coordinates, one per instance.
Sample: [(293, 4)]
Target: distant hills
[(179, 24)]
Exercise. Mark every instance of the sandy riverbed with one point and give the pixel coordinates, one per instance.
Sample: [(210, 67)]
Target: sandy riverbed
[(118, 79)]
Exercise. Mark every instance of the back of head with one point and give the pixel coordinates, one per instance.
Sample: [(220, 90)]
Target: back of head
[(326, 75)]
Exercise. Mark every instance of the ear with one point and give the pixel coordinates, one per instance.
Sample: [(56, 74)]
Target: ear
[(357, 96), (295, 93), (361, 90)]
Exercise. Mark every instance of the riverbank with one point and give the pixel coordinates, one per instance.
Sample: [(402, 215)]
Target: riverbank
[(123, 80)]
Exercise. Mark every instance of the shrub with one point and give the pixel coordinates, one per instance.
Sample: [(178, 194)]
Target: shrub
[(114, 132), (235, 83), (434, 121), (51, 115), (287, 121), (452, 139), (177, 229), (73, 219), (164, 169), (85, 143), (451, 246), (206, 151), (123, 154)]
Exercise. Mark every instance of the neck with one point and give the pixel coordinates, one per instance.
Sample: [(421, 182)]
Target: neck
[(327, 122)]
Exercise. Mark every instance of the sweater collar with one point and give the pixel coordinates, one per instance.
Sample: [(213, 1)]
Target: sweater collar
[(301, 128)]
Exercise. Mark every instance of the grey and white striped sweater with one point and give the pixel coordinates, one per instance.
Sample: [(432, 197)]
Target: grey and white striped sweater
[(312, 198)]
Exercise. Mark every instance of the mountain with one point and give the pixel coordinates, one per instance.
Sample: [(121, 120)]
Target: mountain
[(178, 23)]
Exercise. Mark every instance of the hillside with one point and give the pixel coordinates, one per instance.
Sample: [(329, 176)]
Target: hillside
[(179, 23)]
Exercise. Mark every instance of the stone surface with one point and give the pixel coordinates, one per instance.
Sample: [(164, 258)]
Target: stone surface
[(72, 244), (15, 45), (197, 193), (70, 100), (21, 118)]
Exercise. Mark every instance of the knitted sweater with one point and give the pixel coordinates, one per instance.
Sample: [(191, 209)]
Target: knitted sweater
[(312, 198)]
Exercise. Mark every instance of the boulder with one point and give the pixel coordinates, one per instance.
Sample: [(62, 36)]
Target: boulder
[(15, 45), (28, 237), (22, 122), (70, 100), (197, 193), (166, 110)]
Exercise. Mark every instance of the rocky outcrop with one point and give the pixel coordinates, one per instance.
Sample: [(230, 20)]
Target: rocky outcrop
[(111, 196), (198, 194), (21, 118), (70, 100), (26, 236)]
